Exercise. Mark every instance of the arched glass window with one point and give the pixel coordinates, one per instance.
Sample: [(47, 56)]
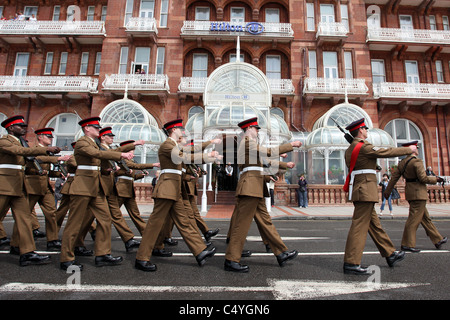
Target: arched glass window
[(277, 112), (66, 128), (194, 110), (401, 131), (2, 130)]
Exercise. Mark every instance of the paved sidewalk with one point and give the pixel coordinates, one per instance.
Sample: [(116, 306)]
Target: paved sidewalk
[(313, 212)]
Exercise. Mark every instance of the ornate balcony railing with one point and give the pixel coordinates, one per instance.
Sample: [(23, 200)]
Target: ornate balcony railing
[(9, 27), (335, 86), (141, 82), (331, 29), (408, 35), (411, 90), (138, 24), (214, 28), (197, 85), (48, 84)]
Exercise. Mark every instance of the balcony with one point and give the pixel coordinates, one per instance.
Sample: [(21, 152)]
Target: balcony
[(48, 87), (227, 30), (138, 85), (142, 27), (331, 32), (51, 32), (405, 95), (334, 89), (417, 40)]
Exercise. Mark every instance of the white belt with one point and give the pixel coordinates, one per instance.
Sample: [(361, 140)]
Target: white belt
[(125, 177), (252, 169), (184, 170), (83, 167), (70, 175), (11, 166), (171, 171), (352, 177)]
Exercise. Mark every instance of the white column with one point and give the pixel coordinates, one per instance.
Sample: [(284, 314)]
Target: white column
[(204, 208)]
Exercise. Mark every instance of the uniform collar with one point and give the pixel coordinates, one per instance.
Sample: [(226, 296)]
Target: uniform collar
[(11, 135)]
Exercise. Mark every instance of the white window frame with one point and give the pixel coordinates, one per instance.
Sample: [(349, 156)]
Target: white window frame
[(432, 22), (312, 63), (199, 13), (128, 11), (412, 77), (326, 17), (445, 23), (164, 13), (98, 61), (406, 25), (344, 16), (273, 73), (160, 58), (439, 71), (348, 64), (56, 13), (201, 72), (123, 60), (147, 13), (90, 13), (63, 63), (330, 71), (29, 10), (143, 64), (310, 18), (20, 71), (377, 76), (48, 63), (84, 63), (272, 15), (234, 18), (104, 13)]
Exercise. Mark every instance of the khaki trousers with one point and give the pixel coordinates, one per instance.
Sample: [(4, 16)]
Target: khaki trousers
[(201, 224), (22, 216), (247, 209), (365, 220), (133, 212), (79, 206), (47, 204), (176, 210), (118, 220), (418, 214)]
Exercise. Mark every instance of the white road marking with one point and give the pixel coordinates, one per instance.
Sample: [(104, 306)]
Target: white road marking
[(281, 289)]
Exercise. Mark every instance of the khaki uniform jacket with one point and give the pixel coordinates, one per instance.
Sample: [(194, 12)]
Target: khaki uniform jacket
[(12, 152), (89, 182), (414, 170), (40, 184), (365, 187), (71, 169), (252, 183), (125, 187), (169, 184)]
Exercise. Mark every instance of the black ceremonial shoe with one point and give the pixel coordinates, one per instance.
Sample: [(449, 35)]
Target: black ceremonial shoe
[(38, 233), (161, 253), (107, 260), (246, 253), (130, 244), (210, 233), (54, 245), (410, 249), (67, 264), (355, 269), (395, 257), (170, 241), (286, 256), (440, 243), (33, 258), (144, 265), (83, 252), (205, 254), (4, 241), (235, 266)]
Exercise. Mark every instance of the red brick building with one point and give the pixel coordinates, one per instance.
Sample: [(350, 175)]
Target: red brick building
[(78, 58)]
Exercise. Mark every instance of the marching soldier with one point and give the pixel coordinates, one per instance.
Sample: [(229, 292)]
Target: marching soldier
[(13, 151), (169, 203), (250, 193), (88, 193), (125, 188), (361, 158), (39, 189), (412, 169)]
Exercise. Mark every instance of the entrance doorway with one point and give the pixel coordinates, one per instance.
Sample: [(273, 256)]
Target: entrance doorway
[(227, 171)]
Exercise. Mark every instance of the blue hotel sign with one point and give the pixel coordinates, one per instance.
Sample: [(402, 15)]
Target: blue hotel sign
[(251, 27)]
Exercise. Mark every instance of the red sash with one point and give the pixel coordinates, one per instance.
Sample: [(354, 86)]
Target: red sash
[(355, 154)]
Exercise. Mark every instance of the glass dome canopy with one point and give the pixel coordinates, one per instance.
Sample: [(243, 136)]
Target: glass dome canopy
[(380, 138), (326, 137)]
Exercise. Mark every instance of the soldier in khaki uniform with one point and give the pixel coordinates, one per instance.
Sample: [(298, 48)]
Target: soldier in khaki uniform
[(412, 169), (88, 193), (363, 192), (169, 203), (39, 189), (13, 151), (251, 190)]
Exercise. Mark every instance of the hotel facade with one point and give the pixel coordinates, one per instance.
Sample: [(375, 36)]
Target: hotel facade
[(299, 66)]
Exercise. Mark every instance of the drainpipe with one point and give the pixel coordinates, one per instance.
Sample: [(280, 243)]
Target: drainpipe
[(444, 111), (301, 96), (439, 139)]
